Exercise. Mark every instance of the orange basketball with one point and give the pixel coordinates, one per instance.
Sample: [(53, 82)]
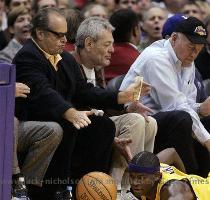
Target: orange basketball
[(96, 186)]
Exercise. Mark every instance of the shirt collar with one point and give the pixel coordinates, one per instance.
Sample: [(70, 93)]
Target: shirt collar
[(173, 56), (54, 59), (172, 52)]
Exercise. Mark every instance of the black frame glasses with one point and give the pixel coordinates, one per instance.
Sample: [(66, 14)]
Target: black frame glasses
[(58, 34)]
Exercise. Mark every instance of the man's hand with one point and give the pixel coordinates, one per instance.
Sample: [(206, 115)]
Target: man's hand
[(142, 88), (205, 108), (21, 90), (122, 145), (146, 87), (137, 107), (130, 94), (78, 118)]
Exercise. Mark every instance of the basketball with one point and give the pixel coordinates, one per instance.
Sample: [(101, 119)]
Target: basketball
[(96, 186)]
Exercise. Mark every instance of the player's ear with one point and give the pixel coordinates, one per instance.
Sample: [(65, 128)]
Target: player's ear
[(157, 176)]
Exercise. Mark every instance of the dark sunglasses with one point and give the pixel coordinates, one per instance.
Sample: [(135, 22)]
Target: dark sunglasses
[(59, 35)]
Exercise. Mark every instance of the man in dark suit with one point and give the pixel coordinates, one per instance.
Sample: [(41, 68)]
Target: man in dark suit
[(59, 92)]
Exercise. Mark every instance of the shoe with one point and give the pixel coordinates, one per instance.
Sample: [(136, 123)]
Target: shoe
[(19, 190), (65, 194)]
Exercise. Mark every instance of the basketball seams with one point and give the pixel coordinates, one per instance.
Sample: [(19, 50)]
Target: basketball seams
[(101, 184), (87, 188)]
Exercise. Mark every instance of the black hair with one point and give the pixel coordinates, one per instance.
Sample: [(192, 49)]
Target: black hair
[(146, 159), (124, 21), (41, 19)]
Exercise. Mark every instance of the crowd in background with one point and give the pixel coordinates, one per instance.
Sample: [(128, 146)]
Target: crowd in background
[(130, 26)]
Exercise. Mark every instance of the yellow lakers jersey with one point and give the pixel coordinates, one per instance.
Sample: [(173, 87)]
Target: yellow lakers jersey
[(201, 186)]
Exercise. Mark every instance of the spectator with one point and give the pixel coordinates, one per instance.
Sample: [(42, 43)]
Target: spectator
[(126, 4), (152, 24), (39, 4), (192, 9), (96, 10), (204, 7), (74, 18), (6, 35), (110, 5), (10, 4), (59, 93), (168, 66), (141, 131), (19, 22), (174, 6), (64, 5), (202, 155), (126, 35), (142, 5)]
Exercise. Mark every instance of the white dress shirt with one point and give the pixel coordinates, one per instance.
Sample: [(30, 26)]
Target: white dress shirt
[(172, 85)]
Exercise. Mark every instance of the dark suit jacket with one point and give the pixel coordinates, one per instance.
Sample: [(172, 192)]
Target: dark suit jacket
[(53, 92)]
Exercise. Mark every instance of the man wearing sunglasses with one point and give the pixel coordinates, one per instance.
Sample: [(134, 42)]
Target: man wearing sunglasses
[(59, 93)]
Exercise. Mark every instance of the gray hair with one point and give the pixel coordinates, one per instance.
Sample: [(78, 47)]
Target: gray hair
[(91, 27)]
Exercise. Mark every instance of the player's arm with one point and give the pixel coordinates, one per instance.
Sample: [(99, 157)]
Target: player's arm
[(177, 190), (169, 156)]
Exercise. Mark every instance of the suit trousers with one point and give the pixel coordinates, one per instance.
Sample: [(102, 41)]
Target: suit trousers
[(202, 153), (82, 151), (142, 133), (38, 141), (175, 130)]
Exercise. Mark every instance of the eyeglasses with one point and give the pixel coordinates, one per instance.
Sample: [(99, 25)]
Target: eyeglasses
[(58, 34)]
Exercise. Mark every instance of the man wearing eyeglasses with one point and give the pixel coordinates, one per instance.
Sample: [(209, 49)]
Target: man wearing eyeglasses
[(59, 93)]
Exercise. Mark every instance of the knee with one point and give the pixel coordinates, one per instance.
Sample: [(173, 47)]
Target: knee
[(105, 127), (56, 132), (135, 120), (110, 126), (152, 125), (183, 124), (183, 118)]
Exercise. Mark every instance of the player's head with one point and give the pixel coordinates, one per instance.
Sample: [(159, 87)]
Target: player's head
[(144, 171)]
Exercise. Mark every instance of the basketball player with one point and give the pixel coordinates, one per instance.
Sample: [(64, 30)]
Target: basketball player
[(152, 180)]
